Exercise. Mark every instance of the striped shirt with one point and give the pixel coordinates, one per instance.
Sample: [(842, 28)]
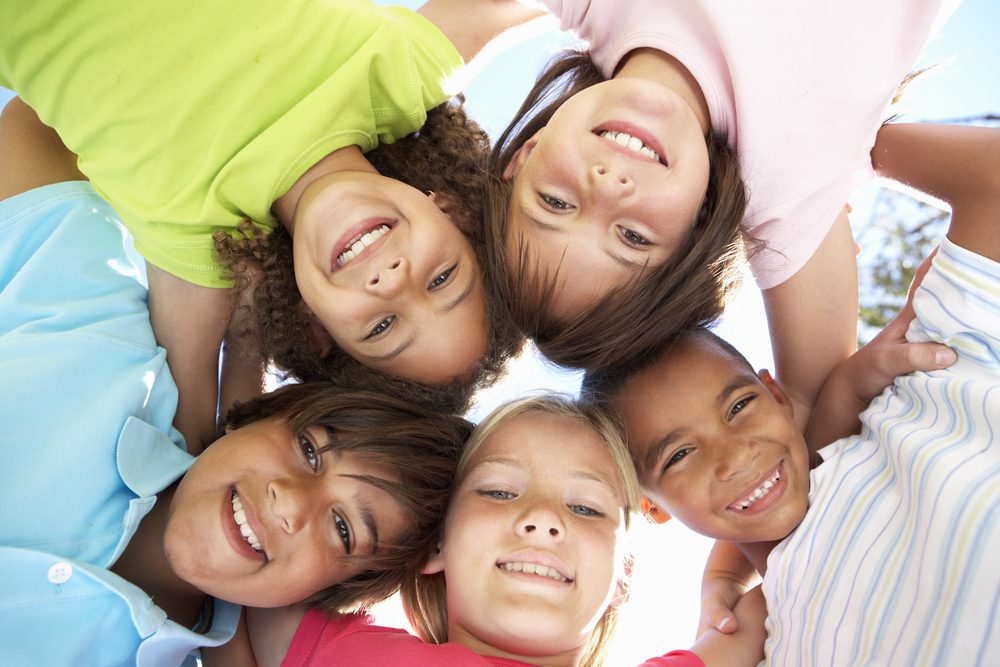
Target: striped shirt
[(897, 561)]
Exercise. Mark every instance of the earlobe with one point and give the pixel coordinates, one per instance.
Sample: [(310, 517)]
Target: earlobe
[(435, 563), (521, 156)]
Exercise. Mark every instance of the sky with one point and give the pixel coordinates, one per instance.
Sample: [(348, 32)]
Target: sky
[(662, 613)]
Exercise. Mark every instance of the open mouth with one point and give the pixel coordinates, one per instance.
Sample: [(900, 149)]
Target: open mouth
[(534, 568), (351, 248), (240, 517), (633, 140), (758, 493)]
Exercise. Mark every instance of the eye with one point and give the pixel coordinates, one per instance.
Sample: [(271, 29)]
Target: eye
[(584, 510), (309, 452), (632, 238), (554, 203), (740, 404), (441, 279), (381, 327), (676, 457), (343, 530), (497, 494)]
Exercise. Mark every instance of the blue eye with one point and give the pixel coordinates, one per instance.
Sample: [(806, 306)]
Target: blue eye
[(309, 452), (554, 203), (343, 530), (497, 494), (381, 327), (583, 510), (441, 279)]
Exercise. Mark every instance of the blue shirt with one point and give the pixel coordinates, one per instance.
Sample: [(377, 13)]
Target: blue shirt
[(87, 404)]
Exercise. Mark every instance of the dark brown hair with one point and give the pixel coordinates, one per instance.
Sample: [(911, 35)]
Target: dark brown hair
[(420, 446), (689, 289), (448, 156)]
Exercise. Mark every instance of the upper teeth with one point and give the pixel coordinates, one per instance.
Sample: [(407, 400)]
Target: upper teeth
[(241, 520), (360, 242), (631, 143), (534, 568), (759, 492)]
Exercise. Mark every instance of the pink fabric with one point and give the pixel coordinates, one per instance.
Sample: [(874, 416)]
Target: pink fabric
[(799, 88), (353, 640)]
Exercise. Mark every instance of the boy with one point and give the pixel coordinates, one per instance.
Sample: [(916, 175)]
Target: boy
[(116, 546), (883, 551)]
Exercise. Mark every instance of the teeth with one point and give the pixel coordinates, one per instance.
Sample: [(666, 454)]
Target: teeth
[(360, 242), (240, 517), (534, 568), (760, 491), (632, 143)]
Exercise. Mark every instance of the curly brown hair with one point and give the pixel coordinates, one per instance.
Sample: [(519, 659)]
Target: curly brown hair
[(448, 156), (421, 446), (689, 289)]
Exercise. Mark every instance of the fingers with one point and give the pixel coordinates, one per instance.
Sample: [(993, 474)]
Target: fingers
[(720, 618), (896, 360)]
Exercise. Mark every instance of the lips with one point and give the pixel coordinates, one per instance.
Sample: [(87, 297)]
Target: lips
[(540, 564), (633, 141), (763, 493), (360, 240), (239, 529)]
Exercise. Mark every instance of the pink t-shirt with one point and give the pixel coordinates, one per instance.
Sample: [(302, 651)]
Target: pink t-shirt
[(799, 88), (353, 640)]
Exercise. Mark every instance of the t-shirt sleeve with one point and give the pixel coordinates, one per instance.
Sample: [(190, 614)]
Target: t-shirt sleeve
[(318, 630), (675, 659)]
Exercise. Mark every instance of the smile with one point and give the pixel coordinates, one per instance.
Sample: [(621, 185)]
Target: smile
[(534, 568), (356, 245), (633, 144), (241, 521), (758, 493)]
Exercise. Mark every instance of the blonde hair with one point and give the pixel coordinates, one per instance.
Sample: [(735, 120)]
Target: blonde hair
[(424, 596)]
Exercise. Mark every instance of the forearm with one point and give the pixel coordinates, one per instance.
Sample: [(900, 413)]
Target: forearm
[(745, 647), (472, 25)]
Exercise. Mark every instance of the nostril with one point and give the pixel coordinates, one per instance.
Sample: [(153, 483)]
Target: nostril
[(602, 171), (529, 528), (622, 180), (395, 264), (553, 531)]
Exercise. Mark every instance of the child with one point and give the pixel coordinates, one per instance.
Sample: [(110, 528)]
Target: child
[(190, 120), (114, 541), (619, 196), (532, 564), (883, 550)]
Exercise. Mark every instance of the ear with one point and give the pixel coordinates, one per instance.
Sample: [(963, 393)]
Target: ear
[(521, 156), (652, 513), (451, 208), (776, 392), (322, 337), (624, 586), (435, 563)]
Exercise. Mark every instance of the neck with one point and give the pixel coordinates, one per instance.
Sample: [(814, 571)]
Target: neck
[(570, 658), (657, 66), (144, 563), (349, 158), (757, 553)]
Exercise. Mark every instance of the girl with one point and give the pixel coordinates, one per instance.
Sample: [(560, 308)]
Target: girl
[(620, 197), (532, 563), (192, 120), (110, 532)]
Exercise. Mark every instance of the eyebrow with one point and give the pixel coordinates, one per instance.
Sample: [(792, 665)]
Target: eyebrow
[(368, 519), (412, 338), (546, 227), (656, 451)]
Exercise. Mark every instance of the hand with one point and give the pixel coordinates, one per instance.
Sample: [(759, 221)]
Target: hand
[(718, 599)]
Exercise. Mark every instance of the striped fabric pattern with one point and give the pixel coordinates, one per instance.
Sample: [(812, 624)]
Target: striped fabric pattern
[(898, 559)]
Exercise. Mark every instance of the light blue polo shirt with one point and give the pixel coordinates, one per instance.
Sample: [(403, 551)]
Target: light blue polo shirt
[(86, 407)]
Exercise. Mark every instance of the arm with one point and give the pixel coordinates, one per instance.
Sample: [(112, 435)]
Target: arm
[(813, 318), (472, 25), (271, 632), (728, 575), (190, 321), (956, 163), (743, 647), (33, 154)]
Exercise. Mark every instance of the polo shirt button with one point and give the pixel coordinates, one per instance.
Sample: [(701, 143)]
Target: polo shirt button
[(60, 572)]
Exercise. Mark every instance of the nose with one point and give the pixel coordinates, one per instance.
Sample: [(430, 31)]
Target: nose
[(289, 504), (609, 185), (391, 278), (739, 457), (541, 522)]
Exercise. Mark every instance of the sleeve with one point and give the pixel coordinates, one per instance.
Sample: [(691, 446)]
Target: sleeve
[(318, 631), (675, 659)]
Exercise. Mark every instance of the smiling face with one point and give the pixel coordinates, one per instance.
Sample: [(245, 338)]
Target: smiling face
[(263, 519), (534, 545), (717, 447), (390, 277), (610, 185)]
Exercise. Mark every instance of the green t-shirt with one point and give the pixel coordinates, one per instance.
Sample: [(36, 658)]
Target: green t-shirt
[(191, 116)]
